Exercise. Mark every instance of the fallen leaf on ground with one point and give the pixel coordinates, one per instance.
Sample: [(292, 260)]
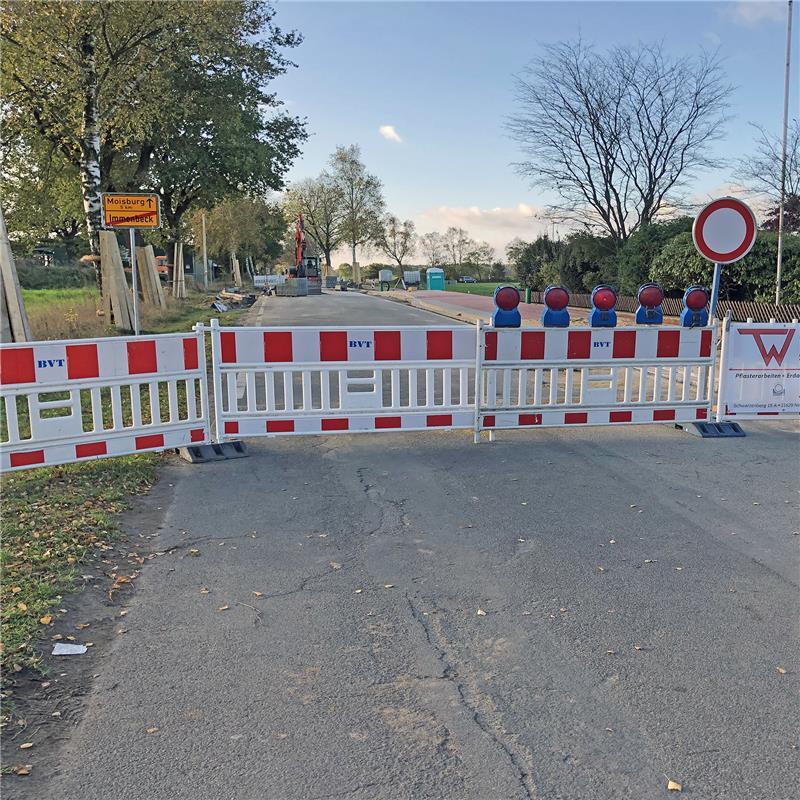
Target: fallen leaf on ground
[(152, 730), (335, 565), (780, 670), (650, 561), (673, 786), (357, 591), (223, 608), (194, 552), (16, 589), (481, 613), (46, 619), (205, 590), (637, 647), (601, 569), (23, 769), (258, 594), (563, 610), (388, 586), (22, 606), (26, 746), (81, 625)]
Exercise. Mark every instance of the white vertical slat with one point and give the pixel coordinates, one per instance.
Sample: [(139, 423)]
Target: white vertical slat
[(136, 405), (413, 400), (308, 404), (250, 388), (553, 386), (538, 375)]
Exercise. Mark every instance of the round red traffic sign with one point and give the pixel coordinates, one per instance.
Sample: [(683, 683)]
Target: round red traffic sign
[(725, 230)]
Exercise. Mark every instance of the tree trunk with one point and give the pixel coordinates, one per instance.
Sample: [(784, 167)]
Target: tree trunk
[(90, 149)]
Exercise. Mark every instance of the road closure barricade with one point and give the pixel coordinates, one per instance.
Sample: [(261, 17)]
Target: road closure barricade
[(285, 381), (558, 377), (66, 401)]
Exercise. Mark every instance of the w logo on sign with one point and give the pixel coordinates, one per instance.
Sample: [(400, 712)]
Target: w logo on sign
[(772, 352)]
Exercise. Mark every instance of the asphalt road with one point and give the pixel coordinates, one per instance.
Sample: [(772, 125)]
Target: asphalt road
[(561, 614)]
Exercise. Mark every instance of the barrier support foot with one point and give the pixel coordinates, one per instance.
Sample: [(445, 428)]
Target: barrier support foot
[(712, 430), (203, 453)]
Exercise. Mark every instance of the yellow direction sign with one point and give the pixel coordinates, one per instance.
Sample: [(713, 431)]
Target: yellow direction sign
[(131, 210)]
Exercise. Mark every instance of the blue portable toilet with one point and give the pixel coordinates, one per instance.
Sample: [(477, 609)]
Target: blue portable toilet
[(435, 278)]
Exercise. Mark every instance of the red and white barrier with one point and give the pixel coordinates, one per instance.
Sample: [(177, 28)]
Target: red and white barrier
[(53, 394), (556, 377), (271, 381)]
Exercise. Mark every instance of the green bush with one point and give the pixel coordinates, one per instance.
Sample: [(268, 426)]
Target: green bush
[(55, 277)]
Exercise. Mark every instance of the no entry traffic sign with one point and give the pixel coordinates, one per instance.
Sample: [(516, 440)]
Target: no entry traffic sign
[(725, 230)]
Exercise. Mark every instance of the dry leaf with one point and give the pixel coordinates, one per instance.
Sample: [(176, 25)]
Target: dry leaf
[(335, 565), (563, 610), (22, 769), (649, 561), (81, 625), (16, 589), (780, 670), (26, 746), (123, 613), (22, 606), (673, 786), (223, 608), (601, 569), (46, 619), (637, 647), (194, 552), (152, 730), (481, 613), (357, 591), (205, 590), (258, 594), (388, 586), (611, 652), (612, 541)]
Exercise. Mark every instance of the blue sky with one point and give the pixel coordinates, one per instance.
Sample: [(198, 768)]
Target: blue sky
[(441, 74)]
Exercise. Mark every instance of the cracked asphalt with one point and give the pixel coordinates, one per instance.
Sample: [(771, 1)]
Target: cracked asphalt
[(561, 614)]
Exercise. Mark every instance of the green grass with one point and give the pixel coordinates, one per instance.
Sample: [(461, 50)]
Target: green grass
[(36, 298), (477, 288), (53, 518)]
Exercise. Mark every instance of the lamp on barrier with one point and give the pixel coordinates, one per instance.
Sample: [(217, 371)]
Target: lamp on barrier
[(650, 297), (506, 314), (695, 311), (556, 298), (603, 315)]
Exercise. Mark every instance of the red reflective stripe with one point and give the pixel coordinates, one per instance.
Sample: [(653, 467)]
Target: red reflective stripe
[(198, 435), (82, 361), (278, 346), (190, 349), (388, 422), (333, 346), (490, 349), (489, 421), (280, 426), (231, 427), (387, 346), (624, 344), (705, 344), (440, 344), (336, 424), (227, 342), (438, 420), (91, 449), (16, 365), (702, 413), (142, 357), (669, 343), (26, 459), (620, 416), (152, 440), (575, 417), (579, 344), (532, 345), (530, 419), (663, 414)]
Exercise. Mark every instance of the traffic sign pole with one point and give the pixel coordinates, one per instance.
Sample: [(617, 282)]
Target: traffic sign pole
[(715, 289), (134, 282)]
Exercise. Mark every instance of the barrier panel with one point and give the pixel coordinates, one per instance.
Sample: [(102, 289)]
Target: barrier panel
[(759, 371), (556, 377), (279, 381), (66, 401)]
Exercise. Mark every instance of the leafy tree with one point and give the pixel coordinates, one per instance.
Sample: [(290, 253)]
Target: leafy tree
[(497, 271), (363, 198), (585, 260), (634, 259), (456, 244), (791, 216), (321, 202), (527, 259), (478, 259), (679, 265), (345, 271), (615, 134), (433, 248), (397, 239)]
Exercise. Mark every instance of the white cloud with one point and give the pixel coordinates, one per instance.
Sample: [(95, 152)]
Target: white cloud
[(752, 12), (714, 38), (388, 132)]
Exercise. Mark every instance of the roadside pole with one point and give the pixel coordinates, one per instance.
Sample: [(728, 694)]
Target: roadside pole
[(715, 290), (134, 282), (205, 254), (779, 265)]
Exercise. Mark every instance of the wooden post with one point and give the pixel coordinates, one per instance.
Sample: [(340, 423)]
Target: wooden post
[(114, 282), (15, 326), (178, 275)]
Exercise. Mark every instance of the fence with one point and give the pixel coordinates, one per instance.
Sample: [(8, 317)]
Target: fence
[(76, 400), (740, 310)]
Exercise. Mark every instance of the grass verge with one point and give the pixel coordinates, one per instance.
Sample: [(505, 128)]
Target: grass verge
[(486, 289), (53, 519)]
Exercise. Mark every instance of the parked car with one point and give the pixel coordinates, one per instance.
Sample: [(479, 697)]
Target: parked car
[(466, 279)]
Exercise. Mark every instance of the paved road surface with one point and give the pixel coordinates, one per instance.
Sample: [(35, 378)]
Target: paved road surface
[(637, 590)]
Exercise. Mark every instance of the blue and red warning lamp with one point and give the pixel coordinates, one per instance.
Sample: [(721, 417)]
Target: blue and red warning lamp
[(695, 307), (555, 315), (506, 314), (604, 300), (650, 297)]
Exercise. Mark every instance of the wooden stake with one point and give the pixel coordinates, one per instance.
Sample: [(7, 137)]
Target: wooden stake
[(15, 326), (114, 281)]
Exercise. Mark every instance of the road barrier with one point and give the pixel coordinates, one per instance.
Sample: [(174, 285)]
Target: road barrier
[(78, 400), (557, 377), (284, 381)]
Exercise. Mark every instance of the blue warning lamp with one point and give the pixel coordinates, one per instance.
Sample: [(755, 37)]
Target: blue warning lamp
[(506, 314), (555, 315), (650, 297), (603, 315), (695, 307)]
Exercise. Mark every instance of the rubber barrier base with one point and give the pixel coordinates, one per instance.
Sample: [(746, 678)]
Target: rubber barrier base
[(203, 453), (713, 430)]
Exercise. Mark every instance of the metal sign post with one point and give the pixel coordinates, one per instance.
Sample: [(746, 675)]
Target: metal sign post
[(715, 289), (134, 282)]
